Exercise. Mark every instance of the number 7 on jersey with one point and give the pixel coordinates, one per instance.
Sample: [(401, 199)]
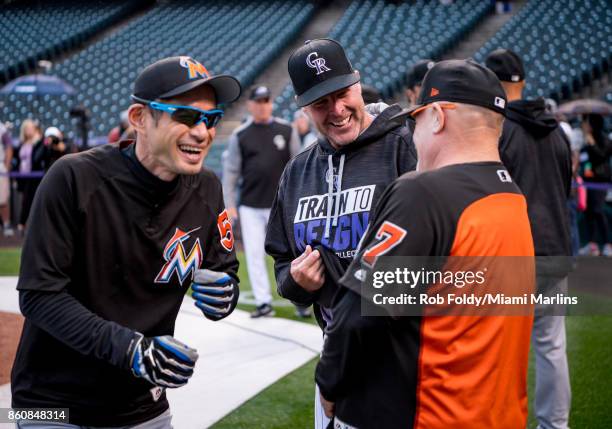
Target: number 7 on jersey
[(390, 235)]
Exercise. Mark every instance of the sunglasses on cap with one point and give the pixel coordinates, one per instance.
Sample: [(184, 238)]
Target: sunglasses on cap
[(187, 115), (442, 104)]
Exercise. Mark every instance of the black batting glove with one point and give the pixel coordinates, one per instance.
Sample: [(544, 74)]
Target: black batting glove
[(215, 293), (162, 361)]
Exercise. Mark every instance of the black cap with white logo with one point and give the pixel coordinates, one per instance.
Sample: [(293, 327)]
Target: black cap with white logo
[(174, 76), (417, 72), (506, 65), (259, 92), (463, 81), (319, 68)]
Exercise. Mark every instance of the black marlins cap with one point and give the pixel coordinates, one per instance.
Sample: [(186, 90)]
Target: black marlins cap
[(463, 81), (177, 75), (259, 92), (318, 68), (506, 65), (417, 72)]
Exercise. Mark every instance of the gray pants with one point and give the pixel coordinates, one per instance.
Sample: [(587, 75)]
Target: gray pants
[(163, 421), (552, 393)]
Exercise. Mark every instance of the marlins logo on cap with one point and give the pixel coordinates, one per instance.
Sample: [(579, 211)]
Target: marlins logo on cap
[(195, 68), (173, 76)]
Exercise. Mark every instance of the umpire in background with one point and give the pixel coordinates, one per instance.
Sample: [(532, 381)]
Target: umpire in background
[(117, 235), (255, 158), (537, 154)]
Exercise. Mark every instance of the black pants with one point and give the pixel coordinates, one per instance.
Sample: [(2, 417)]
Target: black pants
[(596, 216), (28, 190)]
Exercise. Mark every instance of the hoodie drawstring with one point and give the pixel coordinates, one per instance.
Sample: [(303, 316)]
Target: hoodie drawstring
[(338, 191), (330, 190), (330, 193)]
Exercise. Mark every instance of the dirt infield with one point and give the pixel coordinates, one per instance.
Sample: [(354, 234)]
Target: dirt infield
[(10, 331)]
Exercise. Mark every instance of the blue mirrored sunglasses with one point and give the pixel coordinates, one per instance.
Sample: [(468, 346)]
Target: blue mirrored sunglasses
[(190, 116)]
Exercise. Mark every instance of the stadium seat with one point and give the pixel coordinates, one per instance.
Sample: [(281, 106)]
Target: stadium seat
[(31, 30), (384, 39), (552, 38), (237, 37)]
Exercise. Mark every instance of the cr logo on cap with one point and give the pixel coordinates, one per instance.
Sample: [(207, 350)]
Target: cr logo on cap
[(317, 63), (195, 68)]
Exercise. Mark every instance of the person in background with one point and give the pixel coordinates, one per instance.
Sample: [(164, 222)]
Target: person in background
[(577, 201), (118, 133), (28, 164), (370, 95), (257, 153), (301, 123), (414, 79), (599, 150), (54, 147), (536, 152), (6, 158)]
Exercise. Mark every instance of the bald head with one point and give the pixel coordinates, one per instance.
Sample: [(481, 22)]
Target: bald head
[(475, 117), (450, 133)]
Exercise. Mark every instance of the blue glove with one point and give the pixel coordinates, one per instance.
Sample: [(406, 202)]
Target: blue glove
[(215, 293), (162, 361)]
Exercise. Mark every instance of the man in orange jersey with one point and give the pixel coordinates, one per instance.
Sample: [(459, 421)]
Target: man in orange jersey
[(444, 371)]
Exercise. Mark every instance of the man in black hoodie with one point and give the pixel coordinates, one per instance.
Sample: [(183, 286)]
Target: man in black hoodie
[(537, 154), (327, 192)]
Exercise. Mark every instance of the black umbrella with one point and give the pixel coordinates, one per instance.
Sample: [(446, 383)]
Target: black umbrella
[(38, 84)]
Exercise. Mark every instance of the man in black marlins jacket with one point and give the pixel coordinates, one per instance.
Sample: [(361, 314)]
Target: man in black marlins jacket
[(119, 233), (327, 192)]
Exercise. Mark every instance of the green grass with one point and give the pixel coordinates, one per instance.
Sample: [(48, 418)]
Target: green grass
[(9, 261), (289, 402), (589, 352), (590, 359)]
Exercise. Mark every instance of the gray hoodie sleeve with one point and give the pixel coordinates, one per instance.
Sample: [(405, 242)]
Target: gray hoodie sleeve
[(376, 109), (232, 165)]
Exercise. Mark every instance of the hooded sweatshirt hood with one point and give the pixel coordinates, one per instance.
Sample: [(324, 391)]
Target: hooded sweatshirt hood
[(536, 152), (380, 126), (532, 116)]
